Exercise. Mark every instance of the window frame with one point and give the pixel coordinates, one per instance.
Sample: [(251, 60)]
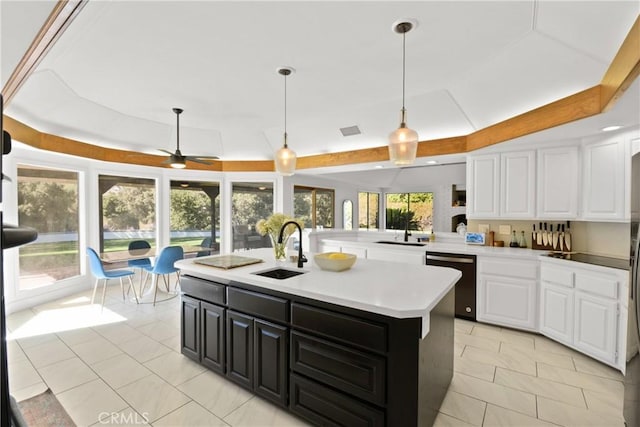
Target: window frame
[(314, 213)]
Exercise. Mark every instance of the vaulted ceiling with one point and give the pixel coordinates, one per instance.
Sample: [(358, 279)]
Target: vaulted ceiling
[(113, 76)]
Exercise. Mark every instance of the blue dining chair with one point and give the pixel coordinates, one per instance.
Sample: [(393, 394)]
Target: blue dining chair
[(164, 267), (97, 269), (142, 262)]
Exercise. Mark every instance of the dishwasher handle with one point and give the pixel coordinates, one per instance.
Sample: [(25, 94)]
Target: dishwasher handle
[(450, 259)]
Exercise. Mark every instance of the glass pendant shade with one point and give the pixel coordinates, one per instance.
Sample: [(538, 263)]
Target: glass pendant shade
[(403, 145), (285, 161)]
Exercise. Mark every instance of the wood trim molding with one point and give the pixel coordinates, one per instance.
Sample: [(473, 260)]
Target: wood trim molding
[(574, 107), (624, 69), (63, 13)]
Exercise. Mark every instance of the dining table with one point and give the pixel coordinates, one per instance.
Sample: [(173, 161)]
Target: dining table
[(143, 296)]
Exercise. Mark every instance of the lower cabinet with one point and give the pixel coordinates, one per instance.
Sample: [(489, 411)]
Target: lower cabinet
[(580, 307), (507, 292), (257, 356), (556, 316), (202, 334)]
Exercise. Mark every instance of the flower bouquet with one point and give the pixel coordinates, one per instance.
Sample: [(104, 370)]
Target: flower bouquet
[(272, 226)]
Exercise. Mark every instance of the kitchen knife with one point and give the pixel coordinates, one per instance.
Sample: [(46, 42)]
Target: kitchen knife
[(545, 236), (534, 237), (567, 237), (561, 238), (539, 235), (555, 236)]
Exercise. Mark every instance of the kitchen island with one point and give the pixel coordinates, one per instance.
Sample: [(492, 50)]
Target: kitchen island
[(370, 346)]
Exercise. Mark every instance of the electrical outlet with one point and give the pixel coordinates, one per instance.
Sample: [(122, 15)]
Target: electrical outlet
[(483, 228), (505, 229)]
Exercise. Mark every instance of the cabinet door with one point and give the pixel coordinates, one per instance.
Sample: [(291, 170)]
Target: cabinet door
[(483, 186), (596, 326), (557, 179), (212, 327), (603, 166), (190, 328), (556, 312), (271, 361), (240, 348), (355, 250), (508, 301), (517, 184)]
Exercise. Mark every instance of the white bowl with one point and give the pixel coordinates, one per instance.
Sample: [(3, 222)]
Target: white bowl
[(334, 261)]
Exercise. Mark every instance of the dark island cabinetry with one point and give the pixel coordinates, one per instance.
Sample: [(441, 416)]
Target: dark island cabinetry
[(328, 364)]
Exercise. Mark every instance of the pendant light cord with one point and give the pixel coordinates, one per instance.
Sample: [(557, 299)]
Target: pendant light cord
[(403, 71), (285, 111)]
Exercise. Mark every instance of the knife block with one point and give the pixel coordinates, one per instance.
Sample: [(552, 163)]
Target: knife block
[(561, 247)]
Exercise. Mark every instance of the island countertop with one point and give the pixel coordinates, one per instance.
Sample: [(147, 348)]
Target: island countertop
[(387, 288)]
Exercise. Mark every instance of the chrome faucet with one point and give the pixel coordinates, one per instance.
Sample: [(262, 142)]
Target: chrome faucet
[(301, 257)]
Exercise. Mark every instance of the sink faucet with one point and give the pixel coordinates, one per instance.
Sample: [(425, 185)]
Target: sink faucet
[(406, 229), (301, 257)]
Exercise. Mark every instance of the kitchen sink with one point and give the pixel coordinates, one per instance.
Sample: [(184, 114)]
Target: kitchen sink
[(279, 273), (395, 242)]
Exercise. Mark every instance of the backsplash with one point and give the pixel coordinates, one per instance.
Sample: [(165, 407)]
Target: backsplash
[(597, 238)]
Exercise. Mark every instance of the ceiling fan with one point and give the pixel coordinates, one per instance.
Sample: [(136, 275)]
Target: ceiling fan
[(177, 159)]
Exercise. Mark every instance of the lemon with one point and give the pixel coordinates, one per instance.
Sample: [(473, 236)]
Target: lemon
[(337, 255)]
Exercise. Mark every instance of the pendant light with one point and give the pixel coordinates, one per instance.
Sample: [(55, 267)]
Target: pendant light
[(403, 142), (285, 157)]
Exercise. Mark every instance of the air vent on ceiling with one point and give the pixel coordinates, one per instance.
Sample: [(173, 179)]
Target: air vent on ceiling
[(350, 130)]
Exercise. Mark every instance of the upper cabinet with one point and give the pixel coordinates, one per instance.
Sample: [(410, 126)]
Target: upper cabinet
[(603, 170), (483, 186), (517, 184), (557, 183)]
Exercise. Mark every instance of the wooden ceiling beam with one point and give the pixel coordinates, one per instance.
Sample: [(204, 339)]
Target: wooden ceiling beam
[(63, 13), (624, 69)]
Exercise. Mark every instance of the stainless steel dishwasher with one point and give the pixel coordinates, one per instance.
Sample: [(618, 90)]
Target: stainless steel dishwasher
[(466, 286)]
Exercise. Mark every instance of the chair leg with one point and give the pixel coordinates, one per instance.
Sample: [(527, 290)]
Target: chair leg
[(95, 286), (165, 281), (134, 290), (122, 289), (143, 285), (104, 291), (175, 287), (155, 291)]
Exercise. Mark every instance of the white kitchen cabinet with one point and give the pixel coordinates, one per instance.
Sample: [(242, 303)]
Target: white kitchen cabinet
[(580, 307), (556, 312), (517, 184), (557, 183), (358, 251), (603, 167), (507, 292), (596, 326), (483, 186), (327, 247)]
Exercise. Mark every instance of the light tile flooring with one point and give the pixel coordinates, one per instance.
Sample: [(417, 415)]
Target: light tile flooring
[(122, 366)]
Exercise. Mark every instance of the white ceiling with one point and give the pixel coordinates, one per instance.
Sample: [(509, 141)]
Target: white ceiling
[(118, 70)]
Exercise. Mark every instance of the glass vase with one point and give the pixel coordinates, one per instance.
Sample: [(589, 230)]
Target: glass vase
[(279, 250)]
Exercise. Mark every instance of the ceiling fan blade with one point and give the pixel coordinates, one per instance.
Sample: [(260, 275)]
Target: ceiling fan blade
[(205, 157), (165, 151), (197, 160)]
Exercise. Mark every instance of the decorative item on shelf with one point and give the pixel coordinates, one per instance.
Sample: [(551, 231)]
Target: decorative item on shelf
[(514, 240), (471, 238), (490, 237), (403, 142), (285, 157), (523, 241), (272, 226)]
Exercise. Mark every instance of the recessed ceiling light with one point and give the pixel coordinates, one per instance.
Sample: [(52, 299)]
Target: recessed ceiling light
[(432, 162), (610, 128)]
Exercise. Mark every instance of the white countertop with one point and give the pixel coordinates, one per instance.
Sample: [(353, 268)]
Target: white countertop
[(387, 288), (460, 248)]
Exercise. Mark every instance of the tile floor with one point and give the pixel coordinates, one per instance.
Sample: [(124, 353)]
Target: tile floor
[(122, 366)]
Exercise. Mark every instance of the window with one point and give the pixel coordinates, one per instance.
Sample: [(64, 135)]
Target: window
[(194, 212), (48, 202), (128, 207), (314, 205), (413, 211), (250, 202), (368, 211)]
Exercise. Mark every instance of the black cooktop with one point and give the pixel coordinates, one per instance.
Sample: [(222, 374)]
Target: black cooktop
[(622, 264)]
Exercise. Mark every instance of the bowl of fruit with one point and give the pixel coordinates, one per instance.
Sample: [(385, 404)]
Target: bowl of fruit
[(334, 261)]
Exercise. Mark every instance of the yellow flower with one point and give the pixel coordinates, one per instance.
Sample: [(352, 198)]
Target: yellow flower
[(273, 224)]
